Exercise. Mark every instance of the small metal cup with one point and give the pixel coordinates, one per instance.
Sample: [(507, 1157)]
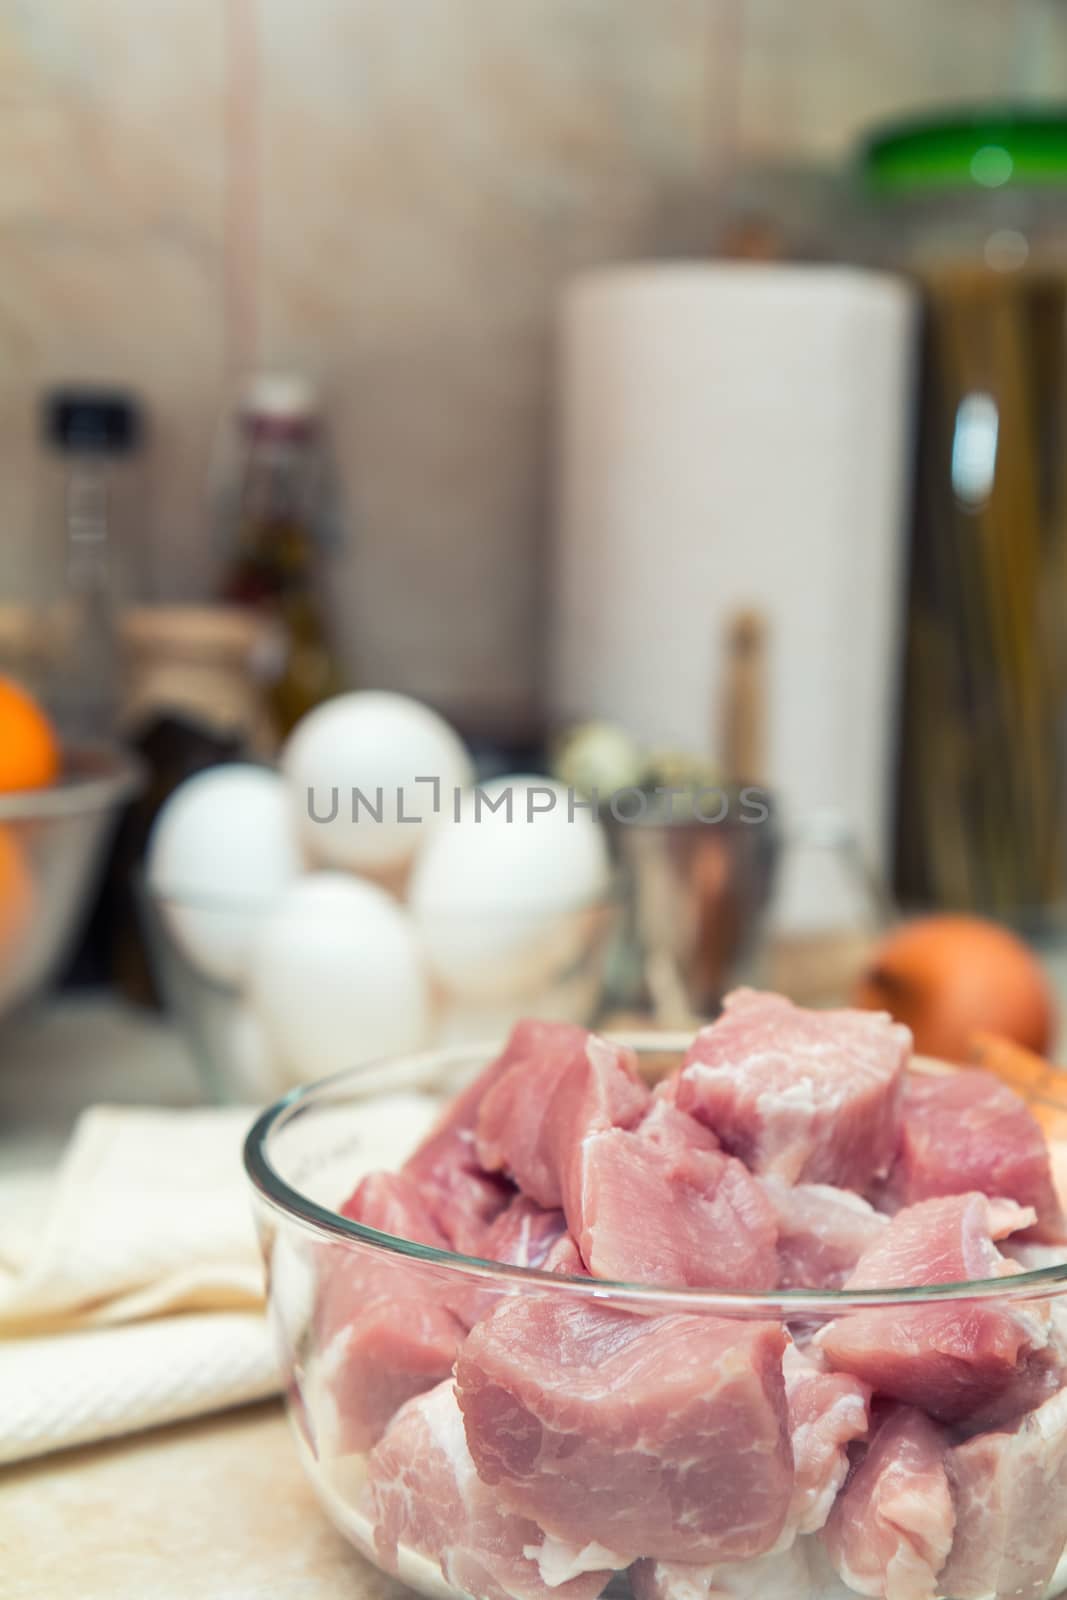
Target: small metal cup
[(694, 894)]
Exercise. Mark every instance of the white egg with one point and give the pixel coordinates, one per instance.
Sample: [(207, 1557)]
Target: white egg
[(502, 898), (221, 851), (336, 977), (370, 773)]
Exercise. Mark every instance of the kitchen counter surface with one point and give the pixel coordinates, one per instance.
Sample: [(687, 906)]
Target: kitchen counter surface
[(212, 1510)]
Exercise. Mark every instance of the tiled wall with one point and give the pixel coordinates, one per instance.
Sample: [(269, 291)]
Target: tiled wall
[(454, 161), (112, 217), (813, 72), (387, 194)]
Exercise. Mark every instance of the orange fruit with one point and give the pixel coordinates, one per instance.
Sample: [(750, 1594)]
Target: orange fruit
[(16, 891), (29, 751)]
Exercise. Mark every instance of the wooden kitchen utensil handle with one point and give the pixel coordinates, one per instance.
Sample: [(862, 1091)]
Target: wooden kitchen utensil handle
[(744, 703)]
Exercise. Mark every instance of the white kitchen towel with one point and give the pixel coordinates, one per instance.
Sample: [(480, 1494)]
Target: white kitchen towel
[(71, 1388), (131, 1286), (149, 1214)]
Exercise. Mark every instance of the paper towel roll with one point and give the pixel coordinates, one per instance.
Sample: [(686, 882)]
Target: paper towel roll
[(736, 436)]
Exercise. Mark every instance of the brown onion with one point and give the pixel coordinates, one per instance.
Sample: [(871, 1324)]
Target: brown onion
[(949, 977)]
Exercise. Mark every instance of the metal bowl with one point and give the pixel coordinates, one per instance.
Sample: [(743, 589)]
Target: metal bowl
[(52, 846)]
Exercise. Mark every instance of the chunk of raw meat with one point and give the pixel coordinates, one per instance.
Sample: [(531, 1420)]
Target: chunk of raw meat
[(464, 1197), (782, 1575), (645, 1191), (393, 1202), (655, 1203), (968, 1131), (382, 1351), (651, 1436), (822, 1233), (1010, 1492), (807, 1096), (652, 1208), (384, 1330), (949, 1240), (523, 1235), (890, 1532), (670, 1129), (959, 1359), (828, 1411), (564, 1259), (568, 1085), (425, 1495)]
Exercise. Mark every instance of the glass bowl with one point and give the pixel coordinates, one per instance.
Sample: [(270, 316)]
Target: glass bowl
[(509, 1433), (52, 846), (560, 957)]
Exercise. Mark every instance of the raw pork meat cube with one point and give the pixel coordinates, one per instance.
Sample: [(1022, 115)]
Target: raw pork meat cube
[(968, 1131), (656, 1436), (948, 1240), (646, 1192), (670, 1129), (1011, 1497), (807, 1096), (464, 1197), (385, 1350), (384, 1331), (1010, 1492), (822, 1233), (828, 1411), (393, 1202), (524, 1234), (782, 1575), (534, 1117), (652, 1208), (563, 1258), (960, 1359), (890, 1532), (426, 1495)]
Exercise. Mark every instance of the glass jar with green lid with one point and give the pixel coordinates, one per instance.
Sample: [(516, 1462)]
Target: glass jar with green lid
[(975, 207)]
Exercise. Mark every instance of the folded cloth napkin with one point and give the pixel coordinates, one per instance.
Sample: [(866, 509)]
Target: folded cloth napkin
[(131, 1287)]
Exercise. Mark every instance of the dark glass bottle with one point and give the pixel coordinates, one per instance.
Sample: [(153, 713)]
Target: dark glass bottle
[(94, 436), (278, 536)]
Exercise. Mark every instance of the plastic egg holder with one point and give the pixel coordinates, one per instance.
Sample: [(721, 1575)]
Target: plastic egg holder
[(252, 1040), (283, 972)]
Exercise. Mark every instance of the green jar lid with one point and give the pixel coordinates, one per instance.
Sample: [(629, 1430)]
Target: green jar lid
[(985, 149)]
